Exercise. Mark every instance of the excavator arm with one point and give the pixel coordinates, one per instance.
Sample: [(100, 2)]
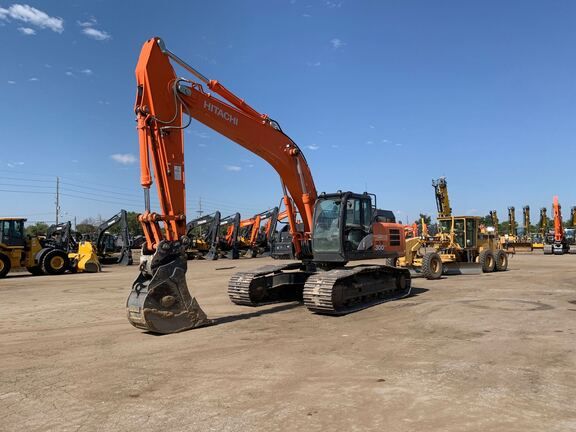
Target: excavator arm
[(160, 300), (512, 230), (125, 257), (558, 228), (526, 216), (161, 100), (494, 218), (442, 199), (543, 223)]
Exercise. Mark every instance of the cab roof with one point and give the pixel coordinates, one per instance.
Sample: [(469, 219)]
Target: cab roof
[(13, 219)]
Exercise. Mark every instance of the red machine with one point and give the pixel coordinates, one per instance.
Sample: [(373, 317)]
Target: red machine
[(559, 244), (336, 228)]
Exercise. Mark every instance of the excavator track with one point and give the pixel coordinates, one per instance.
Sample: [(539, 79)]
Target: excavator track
[(346, 290), (268, 284)]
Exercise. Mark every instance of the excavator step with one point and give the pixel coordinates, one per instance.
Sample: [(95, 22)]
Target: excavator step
[(347, 290)]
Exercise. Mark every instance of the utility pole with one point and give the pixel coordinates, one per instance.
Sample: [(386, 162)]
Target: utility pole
[(199, 211), (57, 199)]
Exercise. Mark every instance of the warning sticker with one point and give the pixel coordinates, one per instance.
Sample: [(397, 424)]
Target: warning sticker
[(177, 172)]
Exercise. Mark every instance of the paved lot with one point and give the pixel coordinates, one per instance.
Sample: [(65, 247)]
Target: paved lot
[(470, 353)]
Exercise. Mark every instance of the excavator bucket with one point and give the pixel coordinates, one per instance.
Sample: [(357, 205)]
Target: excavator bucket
[(125, 257), (160, 301), (85, 259), (462, 268)]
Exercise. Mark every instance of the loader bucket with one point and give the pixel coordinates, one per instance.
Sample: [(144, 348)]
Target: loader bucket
[(85, 260), (160, 301), (462, 268)]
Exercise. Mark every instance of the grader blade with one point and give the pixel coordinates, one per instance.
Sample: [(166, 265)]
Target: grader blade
[(160, 301), (462, 268)]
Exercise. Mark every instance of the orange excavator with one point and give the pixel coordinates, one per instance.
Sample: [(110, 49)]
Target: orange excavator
[(248, 236), (337, 227), (254, 237), (558, 244)]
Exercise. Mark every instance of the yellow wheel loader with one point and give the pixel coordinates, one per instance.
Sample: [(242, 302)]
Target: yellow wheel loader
[(82, 256), (39, 255)]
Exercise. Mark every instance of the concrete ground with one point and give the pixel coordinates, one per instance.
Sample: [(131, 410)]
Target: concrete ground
[(494, 352)]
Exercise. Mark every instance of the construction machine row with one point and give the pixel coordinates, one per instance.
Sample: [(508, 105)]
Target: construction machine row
[(314, 236)]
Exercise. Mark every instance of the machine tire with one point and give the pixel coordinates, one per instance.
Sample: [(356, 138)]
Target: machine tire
[(55, 262), (501, 260), (487, 261), (392, 262), (35, 270), (432, 267), (5, 265)]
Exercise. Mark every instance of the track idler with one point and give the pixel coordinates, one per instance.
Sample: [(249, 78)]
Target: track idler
[(160, 301)]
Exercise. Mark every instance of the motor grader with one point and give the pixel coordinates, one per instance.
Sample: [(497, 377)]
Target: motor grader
[(40, 255), (461, 246)]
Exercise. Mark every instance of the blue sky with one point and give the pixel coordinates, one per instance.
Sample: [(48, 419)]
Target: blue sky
[(383, 95)]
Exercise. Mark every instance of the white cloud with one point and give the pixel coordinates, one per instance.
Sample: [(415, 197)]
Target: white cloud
[(372, 126), (14, 164), (68, 73), (99, 35), (250, 166), (87, 71), (385, 141), (48, 66), (313, 147), (335, 146), (234, 168), (333, 4), (103, 102), (124, 159), (201, 145), (398, 145), (33, 79), (27, 31), (337, 43), (203, 135), (369, 142), (90, 23), (12, 82), (306, 15), (36, 17), (314, 64)]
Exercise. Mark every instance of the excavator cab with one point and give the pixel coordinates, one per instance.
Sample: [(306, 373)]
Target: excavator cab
[(347, 227)]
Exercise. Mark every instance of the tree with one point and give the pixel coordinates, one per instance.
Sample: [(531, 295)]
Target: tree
[(87, 226), (427, 219), (133, 224), (39, 228), (486, 220)]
